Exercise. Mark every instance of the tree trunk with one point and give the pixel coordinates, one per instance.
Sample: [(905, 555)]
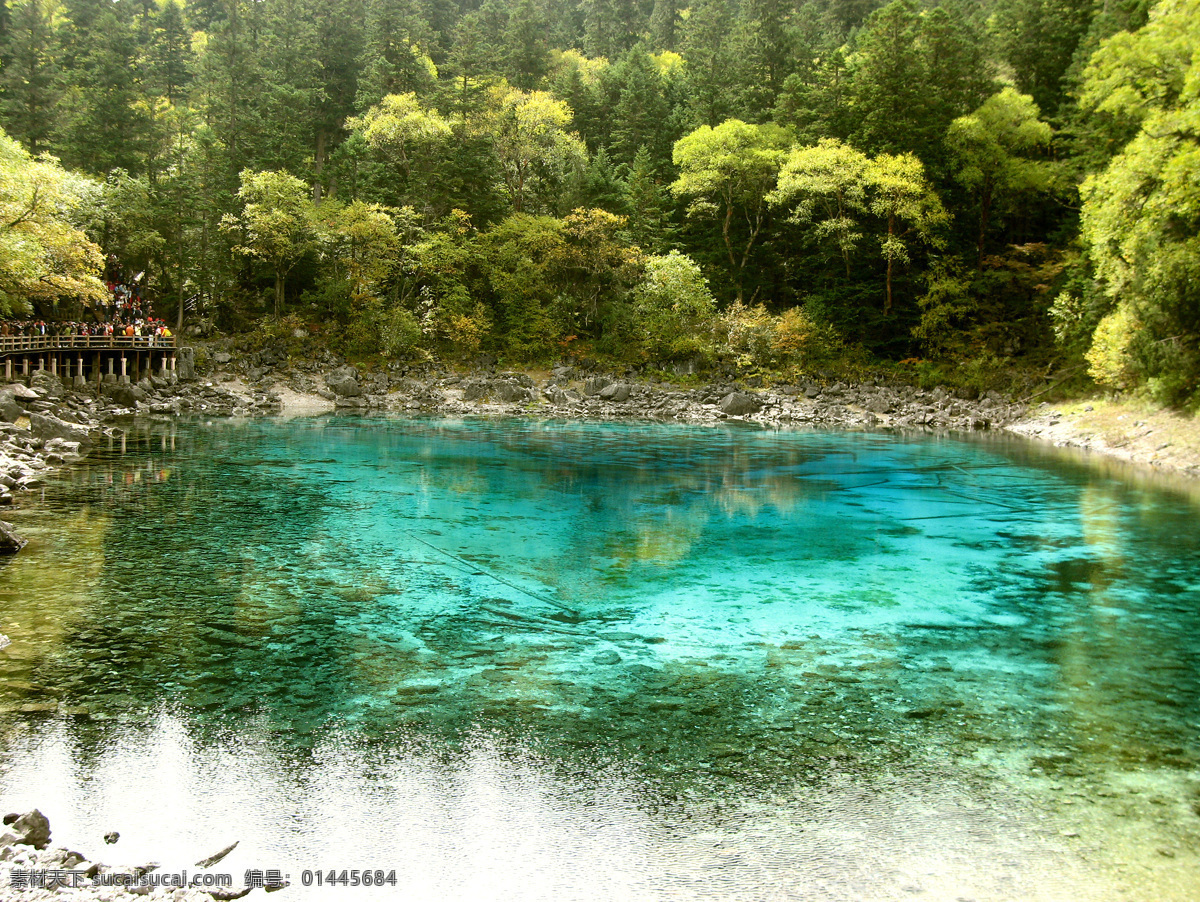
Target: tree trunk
[(279, 277), (985, 209), (887, 304), (729, 248), (318, 165)]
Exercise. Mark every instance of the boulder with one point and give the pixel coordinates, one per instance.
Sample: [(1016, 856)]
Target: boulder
[(510, 392), (32, 829), (740, 404), (122, 394), (556, 395), (185, 364), (343, 382), (21, 393), (44, 426), (10, 410), (596, 384), (617, 392), (46, 383), (475, 390), (10, 542)]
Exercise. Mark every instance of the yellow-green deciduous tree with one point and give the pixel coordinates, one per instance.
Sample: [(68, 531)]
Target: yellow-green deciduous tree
[(903, 198), (275, 225), (405, 132), (1141, 215), (825, 187), (996, 152), (729, 171), (674, 311), (530, 134), (44, 256)]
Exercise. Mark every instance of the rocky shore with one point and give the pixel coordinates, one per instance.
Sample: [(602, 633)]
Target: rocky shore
[(574, 393), (32, 871)]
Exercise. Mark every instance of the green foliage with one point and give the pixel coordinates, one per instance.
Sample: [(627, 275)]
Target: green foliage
[(945, 309), (847, 150), (992, 148), (399, 333), (1141, 215), (44, 256), (275, 224), (519, 256), (529, 133), (728, 172), (825, 186), (595, 270), (674, 311), (1109, 360), (902, 196)]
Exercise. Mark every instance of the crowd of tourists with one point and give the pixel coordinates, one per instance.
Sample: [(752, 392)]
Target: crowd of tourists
[(124, 313), (154, 331)]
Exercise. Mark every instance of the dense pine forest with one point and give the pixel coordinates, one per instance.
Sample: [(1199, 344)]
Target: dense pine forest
[(757, 183)]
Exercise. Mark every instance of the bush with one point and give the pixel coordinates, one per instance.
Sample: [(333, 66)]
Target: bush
[(399, 332), (674, 311), (1109, 359)]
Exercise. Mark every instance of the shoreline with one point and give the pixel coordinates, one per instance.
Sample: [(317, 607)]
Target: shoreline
[(45, 425), (1149, 440)]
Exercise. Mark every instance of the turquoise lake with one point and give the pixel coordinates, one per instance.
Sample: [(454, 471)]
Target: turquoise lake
[(518, 659)]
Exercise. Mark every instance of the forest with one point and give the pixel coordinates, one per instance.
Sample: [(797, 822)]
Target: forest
[(966, 186)]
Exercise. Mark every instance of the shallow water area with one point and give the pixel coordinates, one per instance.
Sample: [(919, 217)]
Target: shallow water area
[(531, 660)]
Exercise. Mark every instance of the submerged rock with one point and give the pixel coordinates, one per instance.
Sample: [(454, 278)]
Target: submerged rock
[(10, 543)]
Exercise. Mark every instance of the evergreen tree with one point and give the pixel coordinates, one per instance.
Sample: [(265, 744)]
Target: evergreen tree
[(228, 86), (30, 78), (890, 83), (527, 57), (1039, 37), (649, 206), (109, 121), (291, 95), (642, 117), (170, 59), (395, 60), (711, 63)]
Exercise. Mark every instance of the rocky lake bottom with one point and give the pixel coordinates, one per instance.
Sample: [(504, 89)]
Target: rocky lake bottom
[(590, 660)]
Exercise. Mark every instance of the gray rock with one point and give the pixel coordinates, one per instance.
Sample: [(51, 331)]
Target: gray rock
[(597, 383), (607, 657), (510, 392), (185, 364), (34, 829), (616, 392), (44, 426), (45, 382), (122, 395), (343, 382), (739, 404), (221, 358), (475, 390), (10, 410), (10, 542), (21, 393), (556, 395)]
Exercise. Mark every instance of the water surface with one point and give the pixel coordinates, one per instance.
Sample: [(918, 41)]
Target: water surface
[(535, 660)]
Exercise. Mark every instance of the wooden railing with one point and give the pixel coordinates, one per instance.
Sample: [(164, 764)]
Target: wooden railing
[(10, 344)]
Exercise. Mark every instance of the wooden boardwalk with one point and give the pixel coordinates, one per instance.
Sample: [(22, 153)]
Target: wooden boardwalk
[(21, 344), (88, 358)]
